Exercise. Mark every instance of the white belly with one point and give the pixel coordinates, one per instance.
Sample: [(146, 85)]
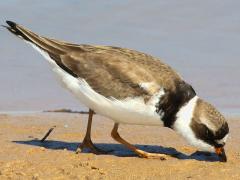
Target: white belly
[(127, 111)]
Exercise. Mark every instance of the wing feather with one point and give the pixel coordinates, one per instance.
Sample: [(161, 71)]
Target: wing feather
[(111, 71)]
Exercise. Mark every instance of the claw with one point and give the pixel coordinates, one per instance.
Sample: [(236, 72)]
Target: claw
[(147, 155), (87, 144)]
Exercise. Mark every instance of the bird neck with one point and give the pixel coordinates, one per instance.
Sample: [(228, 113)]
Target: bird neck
[(172, 101)]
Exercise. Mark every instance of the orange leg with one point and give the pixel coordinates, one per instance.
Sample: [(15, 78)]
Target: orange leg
[(87, 142), (141, 153)]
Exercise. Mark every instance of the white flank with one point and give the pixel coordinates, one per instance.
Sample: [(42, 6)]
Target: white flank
[(182, 125), (127, 111)]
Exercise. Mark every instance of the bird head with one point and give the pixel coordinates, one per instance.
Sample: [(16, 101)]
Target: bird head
[(203, 126)]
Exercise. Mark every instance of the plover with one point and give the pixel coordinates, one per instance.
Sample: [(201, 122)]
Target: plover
[(130, 87)]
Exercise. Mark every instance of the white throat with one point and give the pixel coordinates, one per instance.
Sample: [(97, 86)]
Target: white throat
[(183, 125)]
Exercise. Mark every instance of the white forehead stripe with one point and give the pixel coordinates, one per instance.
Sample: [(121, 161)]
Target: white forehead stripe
[(223, 140)]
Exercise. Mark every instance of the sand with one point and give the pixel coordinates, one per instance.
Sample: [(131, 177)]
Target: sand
[(22, 156)]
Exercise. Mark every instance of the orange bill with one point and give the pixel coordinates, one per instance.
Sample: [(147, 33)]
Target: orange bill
[(221, 153)]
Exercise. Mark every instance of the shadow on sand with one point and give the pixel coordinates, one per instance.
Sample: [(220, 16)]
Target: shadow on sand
[(121, 151)]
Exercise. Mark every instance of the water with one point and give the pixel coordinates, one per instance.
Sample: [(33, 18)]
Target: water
[(199, 39)]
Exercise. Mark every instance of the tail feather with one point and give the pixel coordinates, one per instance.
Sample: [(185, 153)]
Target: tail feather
[(31, 37), (13, 29), (53, 48)]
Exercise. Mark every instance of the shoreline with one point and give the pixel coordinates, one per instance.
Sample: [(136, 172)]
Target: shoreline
[(70, 111)]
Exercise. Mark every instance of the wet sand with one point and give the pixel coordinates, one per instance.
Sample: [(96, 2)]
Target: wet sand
[(23, 156)]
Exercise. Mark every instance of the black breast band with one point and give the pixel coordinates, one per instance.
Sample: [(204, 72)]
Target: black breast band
[(171, 102)]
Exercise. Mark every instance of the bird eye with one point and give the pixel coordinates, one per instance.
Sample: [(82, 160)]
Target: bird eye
[(207, 132)]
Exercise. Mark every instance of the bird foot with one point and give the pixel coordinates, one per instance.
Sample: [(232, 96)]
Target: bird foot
[(147, 155), (87, 144)]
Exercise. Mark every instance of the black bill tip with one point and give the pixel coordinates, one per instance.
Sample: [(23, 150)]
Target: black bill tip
[(221, 154), (223, 157)]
